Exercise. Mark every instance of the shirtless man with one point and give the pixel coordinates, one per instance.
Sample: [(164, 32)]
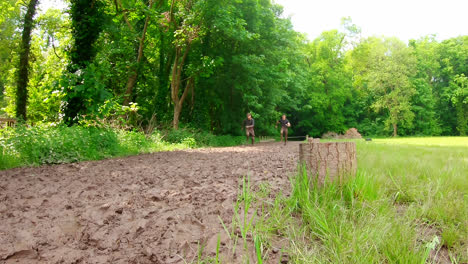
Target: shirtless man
[(284, 128), (249, 124)]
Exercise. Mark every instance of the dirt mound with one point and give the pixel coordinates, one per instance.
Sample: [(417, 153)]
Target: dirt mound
[(352, 133), (155, 208)]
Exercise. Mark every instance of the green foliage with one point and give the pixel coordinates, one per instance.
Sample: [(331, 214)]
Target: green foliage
[(86, 23), (56, 144), (230, 57), (84, 88), (329, 86), (61, 144), (52, 145), (88, 95), (423, 102), (453, 54), (23, 63), (197, 138), (390, 66), (460, 101), (9, 39)]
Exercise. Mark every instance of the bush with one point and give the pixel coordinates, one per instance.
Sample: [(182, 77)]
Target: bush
[(48, 144), (202, 138), (53, 145), (177, 136)]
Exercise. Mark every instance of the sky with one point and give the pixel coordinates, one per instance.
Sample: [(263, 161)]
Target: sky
[(405, 19), (46, 4)]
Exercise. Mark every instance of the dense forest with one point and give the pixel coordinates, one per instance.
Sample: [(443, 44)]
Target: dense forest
[(205, 63)]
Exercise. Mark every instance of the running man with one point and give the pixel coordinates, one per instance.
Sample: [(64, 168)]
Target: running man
[(249, 124), (284, 128)]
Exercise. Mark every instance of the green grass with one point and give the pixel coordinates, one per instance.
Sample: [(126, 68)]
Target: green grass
[(45, 144), (407, 203), (426, 141)]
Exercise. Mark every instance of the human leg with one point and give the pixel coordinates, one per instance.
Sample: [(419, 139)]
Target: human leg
[(285, 136), (252, 135)]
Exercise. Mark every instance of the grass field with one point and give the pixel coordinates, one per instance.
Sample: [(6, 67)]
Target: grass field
[(407, 204)]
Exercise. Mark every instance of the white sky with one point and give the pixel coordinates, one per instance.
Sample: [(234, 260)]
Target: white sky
[(405, 19), (46, 4)]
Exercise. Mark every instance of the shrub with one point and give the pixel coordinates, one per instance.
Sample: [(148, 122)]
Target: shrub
[(49, 144), (202, 138)]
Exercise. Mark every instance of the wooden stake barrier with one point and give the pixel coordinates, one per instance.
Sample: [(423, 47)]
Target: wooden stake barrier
[(330, 161), (8, 121)]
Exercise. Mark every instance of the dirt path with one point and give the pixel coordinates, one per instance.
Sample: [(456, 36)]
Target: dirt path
[(153, 208)]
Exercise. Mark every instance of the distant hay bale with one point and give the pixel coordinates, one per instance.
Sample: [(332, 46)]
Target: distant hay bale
[(352, 133), (349, 134)]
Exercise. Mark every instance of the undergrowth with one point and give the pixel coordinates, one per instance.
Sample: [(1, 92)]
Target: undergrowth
[(46, 144), (197, 138)]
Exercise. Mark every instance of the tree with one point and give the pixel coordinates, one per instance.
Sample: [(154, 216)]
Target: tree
[(453, 54), (205, 63), (391, 66), (186, 19), (23, 67), (10, 18), (329, 86), (257, 60), (48, 45), (87, 22), (133, 75), (460, 101), (9, 21)]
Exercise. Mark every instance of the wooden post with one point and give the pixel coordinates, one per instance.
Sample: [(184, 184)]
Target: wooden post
[(330, 161)]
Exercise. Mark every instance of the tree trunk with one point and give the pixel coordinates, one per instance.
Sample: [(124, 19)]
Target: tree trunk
[(162, 99), (23, 69), (180, 101), (87, 21), (134, 72), (395, 130), (129, 87), (461, 117), (177, 110), (179, 61)]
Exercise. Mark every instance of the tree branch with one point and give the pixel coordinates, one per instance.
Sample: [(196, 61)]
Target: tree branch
[(117, 5), (53, 46), (187, 88)]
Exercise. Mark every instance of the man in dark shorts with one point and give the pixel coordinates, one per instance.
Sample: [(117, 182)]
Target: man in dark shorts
[(284, 128), (249, 124)]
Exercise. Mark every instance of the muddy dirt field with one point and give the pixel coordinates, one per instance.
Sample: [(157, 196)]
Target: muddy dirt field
[(154, 208)]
